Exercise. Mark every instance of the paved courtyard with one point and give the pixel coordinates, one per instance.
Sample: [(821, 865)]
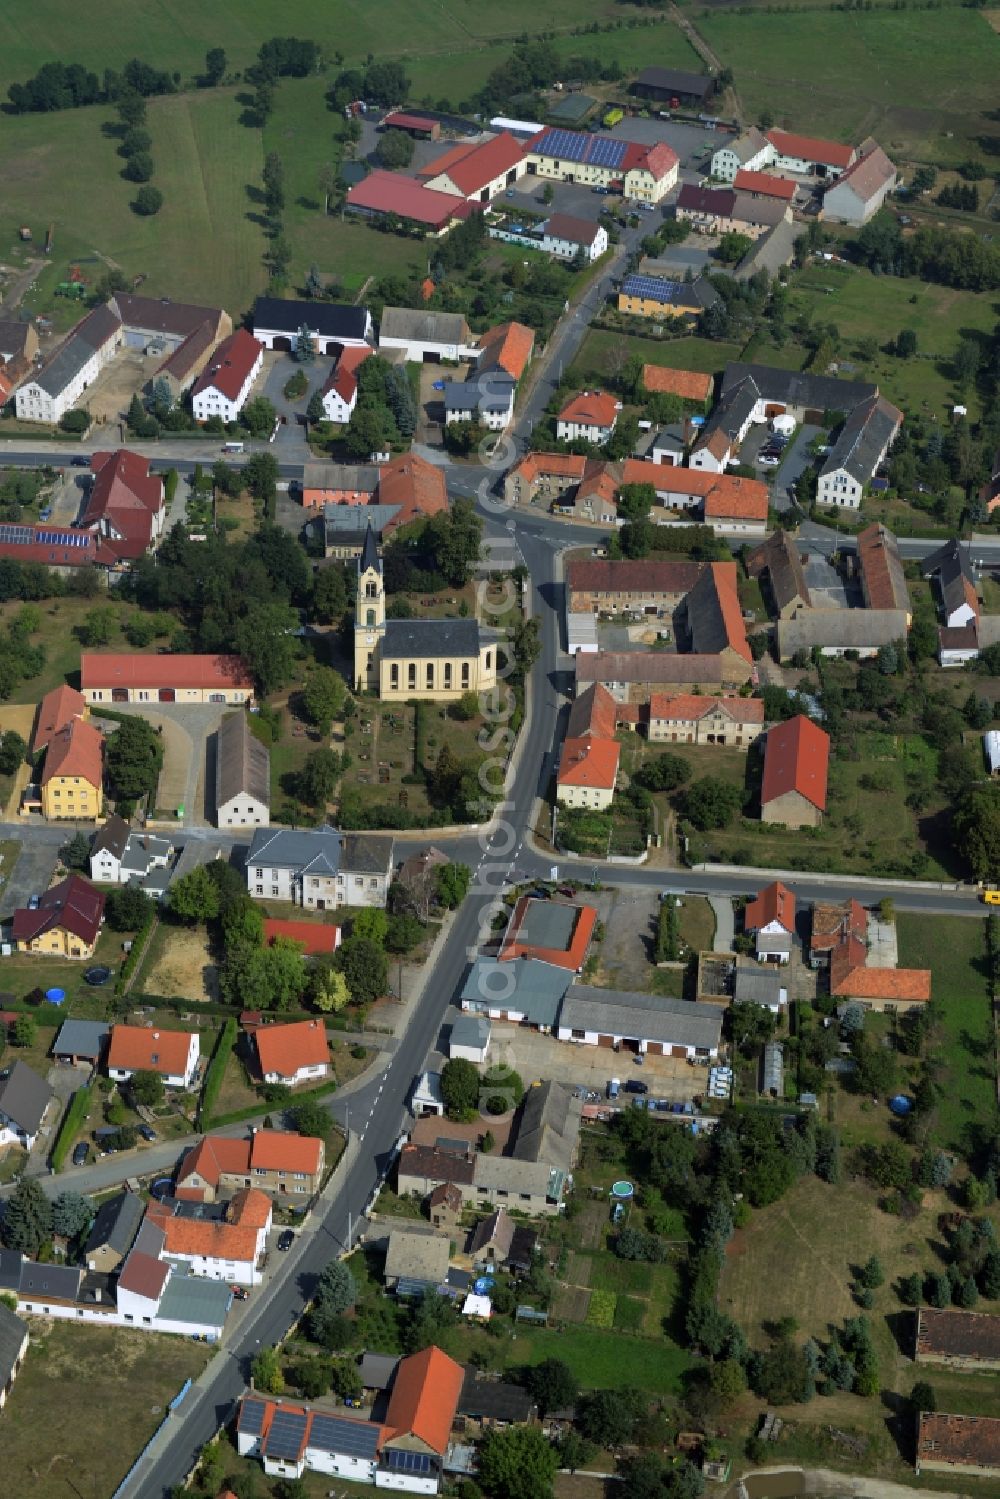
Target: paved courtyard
[(188, 775), (542, 1058)]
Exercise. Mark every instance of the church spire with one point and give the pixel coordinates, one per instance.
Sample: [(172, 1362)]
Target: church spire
[(369, 553)]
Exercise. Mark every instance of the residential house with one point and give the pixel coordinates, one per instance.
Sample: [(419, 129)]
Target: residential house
[(404, 489), (173, 1055), (885, 990), (125, 504), (961, 1447), (56, 711), (599, 586), (550, 475), (332, 326), (485, 397), (120, 854), (72, 778), (445, 1207), (806, 155), (864, 441), (242, 775), (883, 582), (469, 1039), (568, 237), (674, 86), (796, 763), (59, 384), (391, 195), (770, 918), (533, 1187), (13, 1340), (524, 991), (423, 336), (491, 1239), (121, 677), (422, 1168), (723, 210), (422, 1405), (689, 718), (66, 922), (748, 152), (835, 632), (590, 417), (588, 773), (275, 1161), (737, 506), (641, 173), (24, 1101), (319, 868), (477, 171), (764, 185), (340, 392), (661, 298), (416, 1262), (777, 559), (114, 1231), (554, 931), (81, 1042), (291, 1438), (859, 193), (223, 388), (507, 349), (834, 924), (958, 1340), (760, 986), (952, 567), (691, 386), (293, 1053), (639, 1023), (228, 1248)]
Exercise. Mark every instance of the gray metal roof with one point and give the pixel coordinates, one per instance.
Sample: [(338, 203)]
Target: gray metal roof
[(421, 325), (470, 1030), (868, 430), (38, 1282), (242, 764), (77, 351), (117, 1224), (377, 1370), (759, 986), (24, 1097), (343, 521), (647, 1017), (189, 1298), (317, 850), (13, 1331), (533, 988), (408, 638), (81, 1038)]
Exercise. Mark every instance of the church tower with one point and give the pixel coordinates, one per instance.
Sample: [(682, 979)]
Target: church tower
[(369, 616)]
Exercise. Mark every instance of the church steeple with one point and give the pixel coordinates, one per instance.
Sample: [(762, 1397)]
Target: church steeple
[(370, 558), (369, 615)]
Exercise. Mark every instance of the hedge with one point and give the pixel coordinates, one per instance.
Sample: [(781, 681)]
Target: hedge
[(217, 1068), (74, 1116), (136, 951), (239, 1115)]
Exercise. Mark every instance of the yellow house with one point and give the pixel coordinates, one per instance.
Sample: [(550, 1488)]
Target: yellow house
[(73, 773), (658, 297), (65, 923), (399, 659)]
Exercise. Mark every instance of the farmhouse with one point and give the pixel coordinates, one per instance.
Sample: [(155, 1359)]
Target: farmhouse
[(225, 384), (633, 676), (961, 1340), (807, 155), (834, 632), (749, 152), (778, 560), (688, 718), (640, 1023), (524, 991), (796, 760), (958, 1444), (73, 773), (715, 210), (864, 441), (764, 185), (173, 1055), (340, 392), (119, 855), (57, 709), (133, 678), (641, 173), (951, 565), (424, 336), (886, 990), (553, 931), (319, 868), (883, 582), (24, 1102), (590, 417), (860, 192), (242, 775), (588, 773), (66, 922), (672, 85), (477, 171), (659, 297), (292, 1054), (770, 918), (125, 505), (382, 194), (57, 387), (332, 326), (599, 586)]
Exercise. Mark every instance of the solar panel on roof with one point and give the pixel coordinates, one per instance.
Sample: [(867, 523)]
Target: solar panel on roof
[(651, 286), (252, 1417), (407, 1462), (350, 1438), (288, 1429)]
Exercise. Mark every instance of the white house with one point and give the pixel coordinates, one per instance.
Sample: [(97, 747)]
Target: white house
[(424, 336), (138, 1048), (486, 397), (24, 1101), (863, 444), (808, 156), (57, 387), (229, 1249), (748, 153), (225, 383), (332, 326), (470, 1038), (564, 236), (860, 192), (590, 417), (149, 1295), (319, 869), (242, 775), (294, 1053), (340, 393), (120, 854), (770, 918)]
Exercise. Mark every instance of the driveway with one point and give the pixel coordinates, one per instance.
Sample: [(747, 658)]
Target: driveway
[(66, 497), (535, 1056), (797, 459), (187, 779), (695, 144), (32, 873)]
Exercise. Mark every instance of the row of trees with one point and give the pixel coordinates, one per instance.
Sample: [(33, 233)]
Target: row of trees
[(59, 85), (136, 149), (951, 257)]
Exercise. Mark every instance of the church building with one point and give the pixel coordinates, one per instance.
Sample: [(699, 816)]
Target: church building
[(415, 658)]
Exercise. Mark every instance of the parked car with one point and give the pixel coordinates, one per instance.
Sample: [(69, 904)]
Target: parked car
[(79, 463), (33, 901), (45, 513), (768, 460), (286, 1239), (147, 1132), (240, 1292), (614, 1085), (635, 1085), (80, 1153)]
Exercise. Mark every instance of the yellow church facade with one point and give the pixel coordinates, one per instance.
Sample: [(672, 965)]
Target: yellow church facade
[(398, 659)]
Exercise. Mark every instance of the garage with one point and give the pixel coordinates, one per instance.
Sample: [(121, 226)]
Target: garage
[(608, 1042), (281, 343), (631, 1045), (119, 694), (167, 695), (654, 1048), (678, 1051)]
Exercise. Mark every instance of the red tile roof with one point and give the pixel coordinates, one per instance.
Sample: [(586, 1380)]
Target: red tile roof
[(343, 377), (73, 905), (730, 495), (591, 409), (851, 978), (589, 762), (58, 547), (765, 184), (660, 160), (832, 923), (281, 1150), (571, 957), (774, 903), (230, 366), (810, 148), (249, 1208), (208, 1238), (389, 192), (57, 708), (688, 707), (314, 937), (959, 1441), (559, 465), (424, 1399), (144, 1275), (594, 713), (723, 576), (106, 670), (125, 498), (76, 750), (507, 347), (285, 1048), (416, 486), (213, 1156), (796, 758), (690, 385), (471, 168), (140, 1048)]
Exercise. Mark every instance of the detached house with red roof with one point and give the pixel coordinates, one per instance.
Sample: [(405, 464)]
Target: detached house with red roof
[(588, 773), (477, 171), (796, 765), (66, 923), (340, 393), (125, 505), (771, 919), (689, 718), (272, 1160), (590, 417), (294, 1053), (228, 1248), (223, 387), (173, 1055)]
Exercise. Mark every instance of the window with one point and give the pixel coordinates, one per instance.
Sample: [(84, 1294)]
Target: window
[(394, 677), (430, 675), (465, 674), (411, 674), (260, 889)]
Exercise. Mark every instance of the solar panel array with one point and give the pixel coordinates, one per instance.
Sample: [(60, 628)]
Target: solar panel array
[(349, 1438), (406, 1462), (576, 145), (287, 1433), (252, 1417), (653, 287), (29, 536)]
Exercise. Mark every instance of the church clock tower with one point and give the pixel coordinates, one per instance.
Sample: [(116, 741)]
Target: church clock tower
[(369, 616)]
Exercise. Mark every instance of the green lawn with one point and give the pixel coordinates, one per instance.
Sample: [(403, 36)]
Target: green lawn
[(954, 950), (607, 1360), (603, 352), (200, 246), (905, 77)]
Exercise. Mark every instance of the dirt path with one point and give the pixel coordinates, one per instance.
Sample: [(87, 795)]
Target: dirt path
[(704, 51)]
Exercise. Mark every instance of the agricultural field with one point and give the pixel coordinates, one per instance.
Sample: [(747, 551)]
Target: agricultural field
[(909, 78)]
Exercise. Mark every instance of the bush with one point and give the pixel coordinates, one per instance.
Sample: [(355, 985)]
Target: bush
[(216, 1070), (74, 421), (147, 201)]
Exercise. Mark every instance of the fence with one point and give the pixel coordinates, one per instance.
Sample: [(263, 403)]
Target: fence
[(123, 1487)]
